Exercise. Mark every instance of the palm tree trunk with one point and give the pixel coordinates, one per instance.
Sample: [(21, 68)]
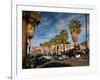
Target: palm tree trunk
[(24, 38), (24, 42)]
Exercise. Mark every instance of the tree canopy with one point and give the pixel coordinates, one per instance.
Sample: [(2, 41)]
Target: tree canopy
[(61, 38)]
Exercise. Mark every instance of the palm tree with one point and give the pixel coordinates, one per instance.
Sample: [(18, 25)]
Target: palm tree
[(30, 20), (63, 38), (75, 29)]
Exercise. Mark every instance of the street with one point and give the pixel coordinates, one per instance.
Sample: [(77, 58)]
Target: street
[(69, 62)]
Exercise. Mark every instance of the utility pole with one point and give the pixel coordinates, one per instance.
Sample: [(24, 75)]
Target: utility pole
[(86, 32)]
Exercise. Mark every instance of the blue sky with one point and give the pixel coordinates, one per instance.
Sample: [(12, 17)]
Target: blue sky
[(52, 23)]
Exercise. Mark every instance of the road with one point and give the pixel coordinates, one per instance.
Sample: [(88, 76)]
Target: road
[(65, 63)]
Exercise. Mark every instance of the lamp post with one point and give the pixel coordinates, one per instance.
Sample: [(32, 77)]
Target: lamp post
[(86, 21)]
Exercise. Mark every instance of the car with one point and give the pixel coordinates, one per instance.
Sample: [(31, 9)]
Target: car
[(40, 58), (47, 57), (60, 58), (77, 56), (64, 56)]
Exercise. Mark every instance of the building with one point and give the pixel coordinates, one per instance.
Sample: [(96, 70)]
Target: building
[(58, 49)]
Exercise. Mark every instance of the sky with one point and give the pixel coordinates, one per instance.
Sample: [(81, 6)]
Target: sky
[(51, 24)]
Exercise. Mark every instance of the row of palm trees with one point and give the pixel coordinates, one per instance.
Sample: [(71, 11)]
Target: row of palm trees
[(58, 39), (62, 38)]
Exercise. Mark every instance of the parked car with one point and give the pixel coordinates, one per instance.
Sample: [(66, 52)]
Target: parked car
[(60, 58), (48, 57), (64, 56)]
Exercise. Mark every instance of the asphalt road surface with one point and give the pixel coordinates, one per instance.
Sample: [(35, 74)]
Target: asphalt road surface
[(69, 62)]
